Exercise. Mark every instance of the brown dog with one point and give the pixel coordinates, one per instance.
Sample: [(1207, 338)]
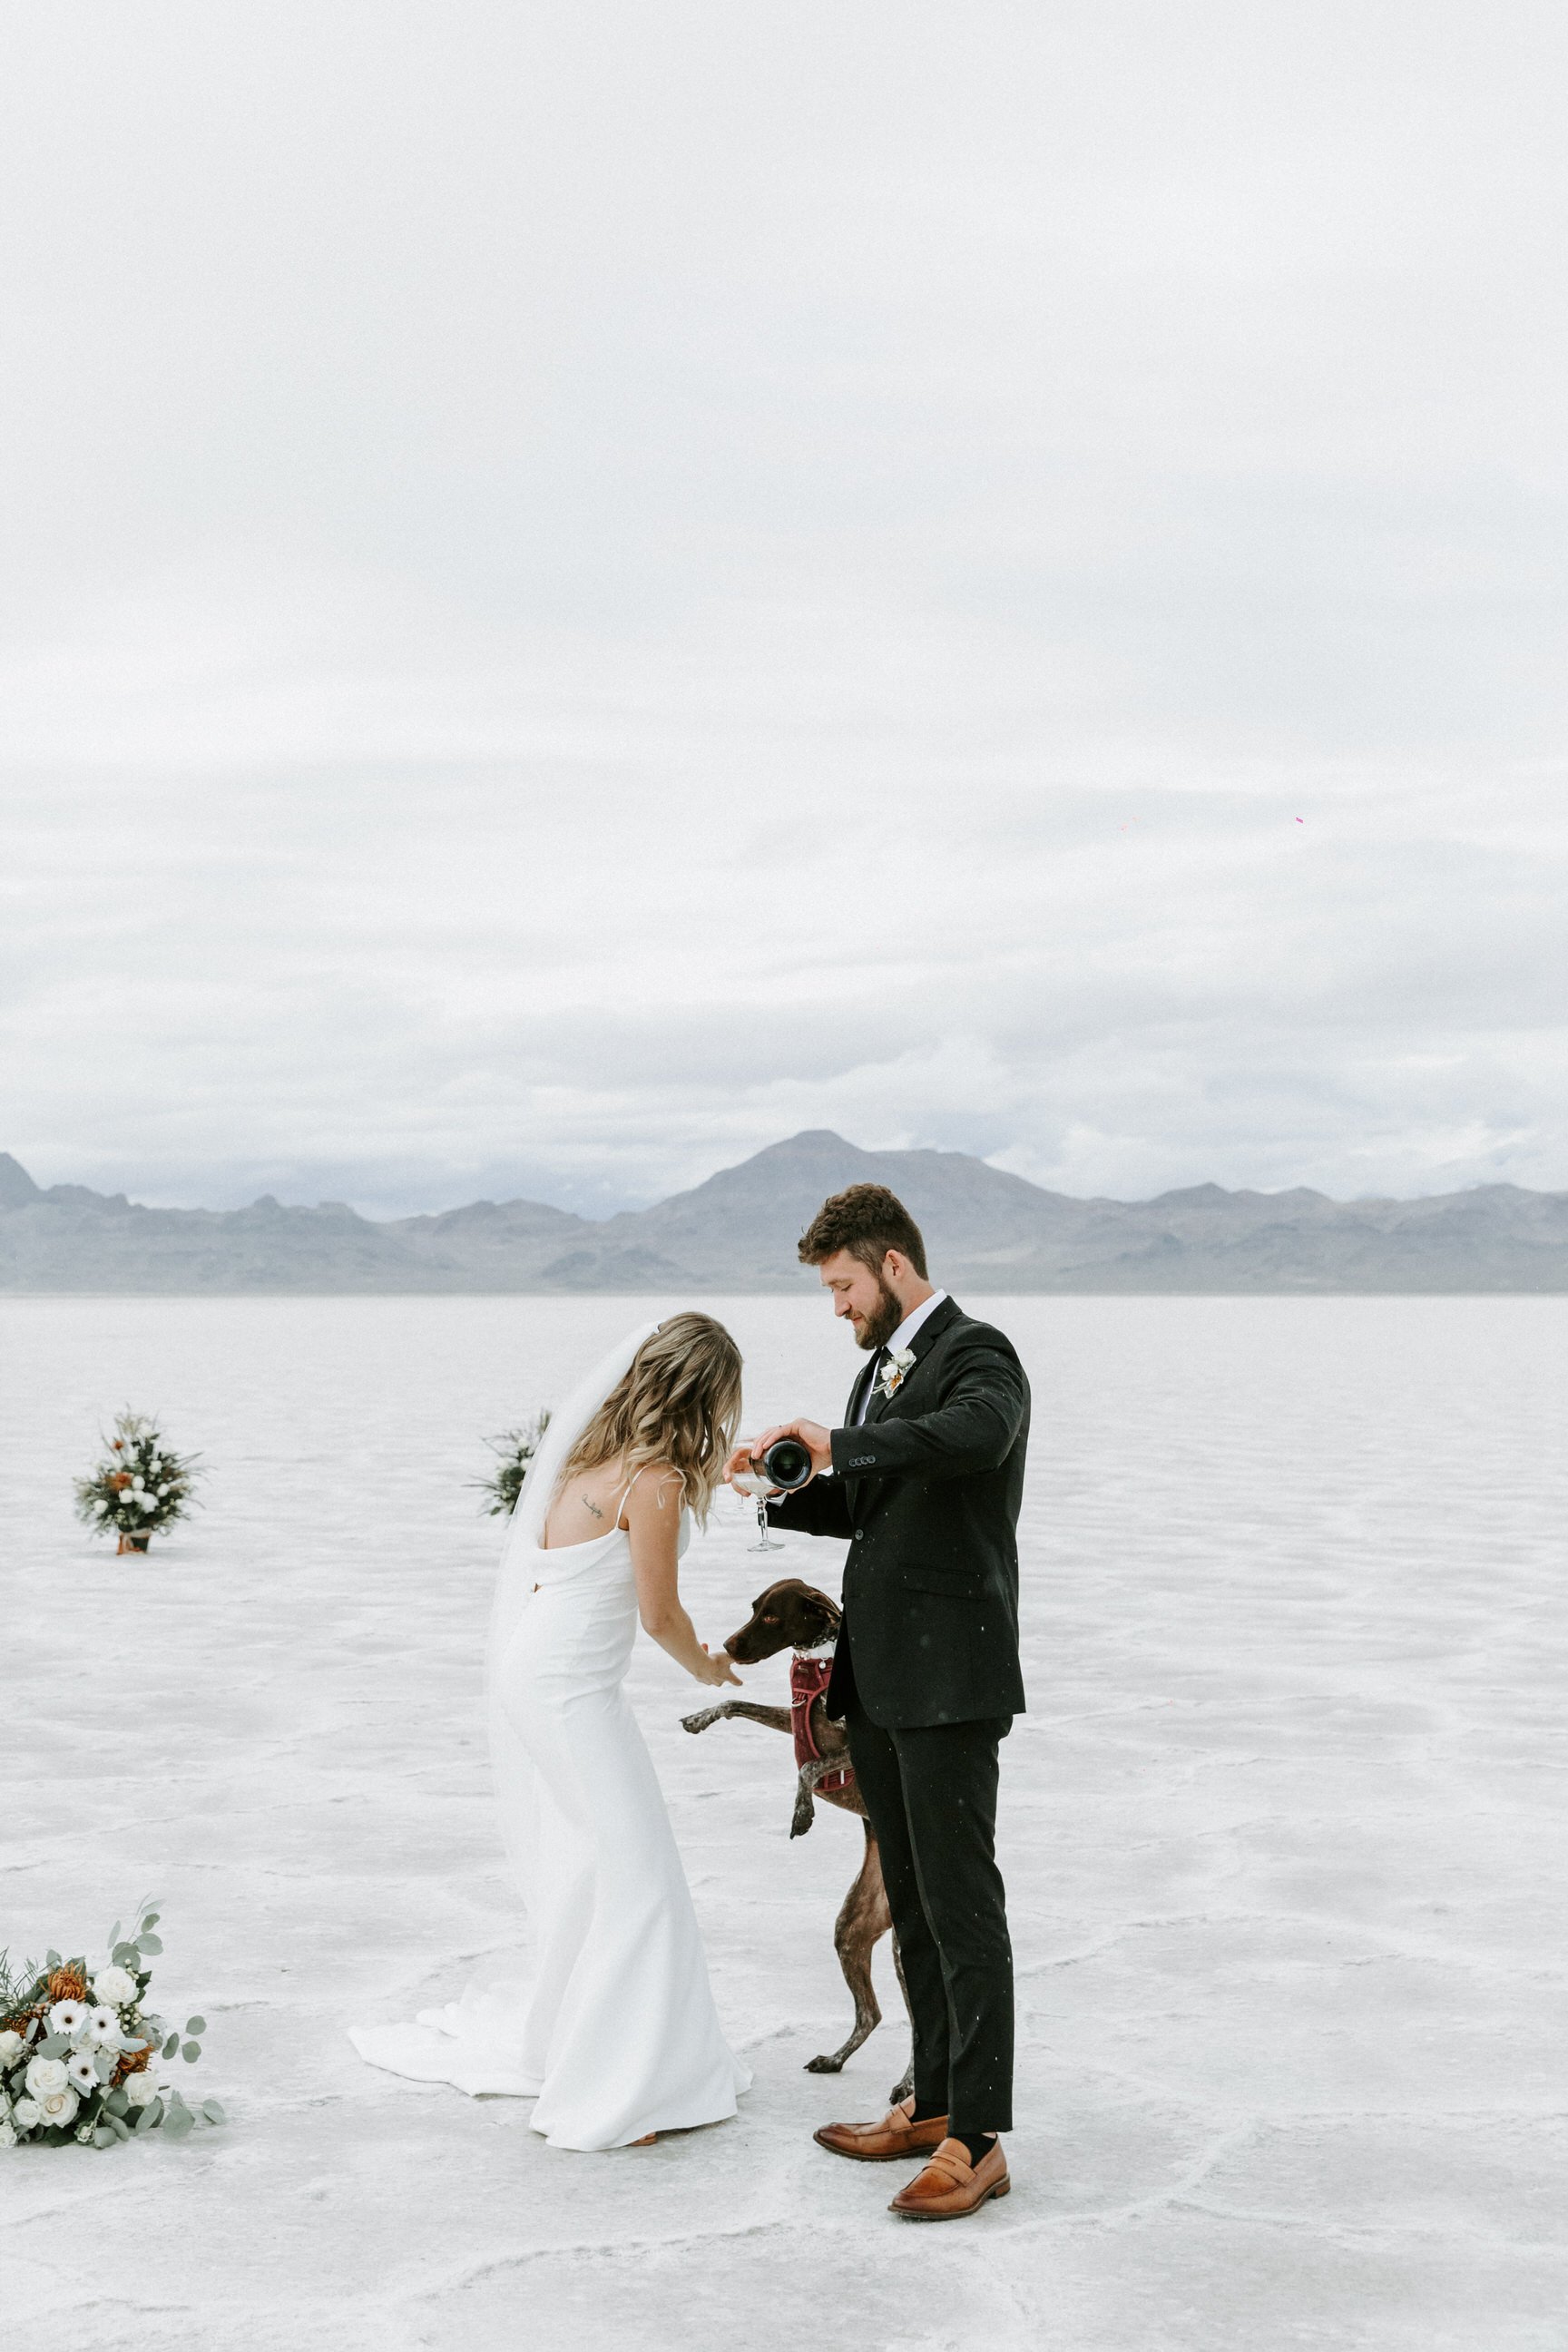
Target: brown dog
[(796, 1616)]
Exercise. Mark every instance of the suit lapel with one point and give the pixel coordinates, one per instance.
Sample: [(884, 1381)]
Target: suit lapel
[(852, 1410), (925, 1339)]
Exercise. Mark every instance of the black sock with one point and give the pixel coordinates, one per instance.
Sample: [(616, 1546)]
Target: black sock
[(924, 2113), (978, 2144)]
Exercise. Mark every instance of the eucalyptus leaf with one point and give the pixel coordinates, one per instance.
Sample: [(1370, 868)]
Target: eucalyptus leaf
[(148, 1943), (150, 2117), (172, 2044), (52, 1960), (113, 1936), (125, 1955), (195, 2025), (103, 2065), (103, 2137), (178, 2122), (54, 2045), (117, 2104), (150, 1919), (191, 2051), (214, 2111), (120, 2130)]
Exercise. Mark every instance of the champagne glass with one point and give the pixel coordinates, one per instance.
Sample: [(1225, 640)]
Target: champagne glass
[(762, 1488)]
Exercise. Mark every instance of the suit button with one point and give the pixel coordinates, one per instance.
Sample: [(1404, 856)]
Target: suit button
[(859, 1535)]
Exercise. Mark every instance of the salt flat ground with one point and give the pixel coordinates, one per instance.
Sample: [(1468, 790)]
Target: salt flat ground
[(1283, 1836)]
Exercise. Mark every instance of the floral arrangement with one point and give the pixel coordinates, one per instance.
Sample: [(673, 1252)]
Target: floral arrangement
[(77, 2053), (139, 1486), (514, 1449)]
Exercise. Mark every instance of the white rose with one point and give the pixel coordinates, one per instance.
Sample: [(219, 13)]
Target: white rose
[(140, 2089), (116, 1985), (45, 2076), (148, 1502), (10, 2043), (25, 2115), (58, 2108)]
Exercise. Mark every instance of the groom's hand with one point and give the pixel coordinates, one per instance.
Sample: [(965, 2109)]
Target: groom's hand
[(817, 1441)]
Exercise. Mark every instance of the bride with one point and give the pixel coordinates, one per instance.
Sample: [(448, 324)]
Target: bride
[(618, 2037)]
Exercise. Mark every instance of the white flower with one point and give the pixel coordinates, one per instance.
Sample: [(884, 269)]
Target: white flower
[(82, 2071), (7, 2136), (140, 2089), (116, 1985), (84, 2132), (67, 2016), (10, 2043), (161, 1492), (900, 1362), (103, 2025), (59, 2108), (25, 2115), (148, 1502), (44, 2076)]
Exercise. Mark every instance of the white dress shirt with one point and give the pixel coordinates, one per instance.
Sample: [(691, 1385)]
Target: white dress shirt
[(901, 1339)]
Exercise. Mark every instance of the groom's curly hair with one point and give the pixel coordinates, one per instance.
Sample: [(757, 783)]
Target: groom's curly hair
[(868, 1220)]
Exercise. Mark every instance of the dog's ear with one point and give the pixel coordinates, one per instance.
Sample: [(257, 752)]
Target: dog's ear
[(809, 1614)]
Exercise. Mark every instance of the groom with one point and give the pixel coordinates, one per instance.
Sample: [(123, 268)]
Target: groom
[(925, 1478)]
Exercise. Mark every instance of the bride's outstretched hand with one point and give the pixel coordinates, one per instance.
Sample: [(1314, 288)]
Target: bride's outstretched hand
[(719, 1665)]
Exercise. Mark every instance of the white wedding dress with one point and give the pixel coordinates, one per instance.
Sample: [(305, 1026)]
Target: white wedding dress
[(616, 2034)]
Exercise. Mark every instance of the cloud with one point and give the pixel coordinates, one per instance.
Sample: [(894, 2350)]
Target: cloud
[(586, 592)]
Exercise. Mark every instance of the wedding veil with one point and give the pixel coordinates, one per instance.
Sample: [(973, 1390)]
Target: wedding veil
[(515, 1797)]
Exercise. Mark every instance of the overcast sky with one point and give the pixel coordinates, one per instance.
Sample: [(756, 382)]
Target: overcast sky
[(586, 586)]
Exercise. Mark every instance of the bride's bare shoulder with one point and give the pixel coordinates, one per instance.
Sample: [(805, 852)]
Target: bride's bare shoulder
[(653, 1491)]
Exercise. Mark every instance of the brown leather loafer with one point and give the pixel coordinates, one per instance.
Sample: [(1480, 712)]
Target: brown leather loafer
[(950, 2186), (896, 2135)]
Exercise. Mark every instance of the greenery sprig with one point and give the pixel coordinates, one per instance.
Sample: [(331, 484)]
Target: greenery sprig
[(514, 1449)]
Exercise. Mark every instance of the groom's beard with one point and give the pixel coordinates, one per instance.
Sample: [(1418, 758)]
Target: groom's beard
[(883, 1321)]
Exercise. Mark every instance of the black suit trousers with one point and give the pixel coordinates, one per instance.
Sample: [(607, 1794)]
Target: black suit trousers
[(931, 1792)]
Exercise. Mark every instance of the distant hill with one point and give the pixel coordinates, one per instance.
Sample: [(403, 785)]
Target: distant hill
[(986, 1231)]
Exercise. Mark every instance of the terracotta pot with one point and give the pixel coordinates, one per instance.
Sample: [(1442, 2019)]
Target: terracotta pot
[(138, 1541)]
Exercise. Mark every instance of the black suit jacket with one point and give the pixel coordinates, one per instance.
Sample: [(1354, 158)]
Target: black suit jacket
[(927, 1491)]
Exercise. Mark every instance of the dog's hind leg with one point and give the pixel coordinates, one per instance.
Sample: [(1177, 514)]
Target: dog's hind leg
[(738, 1710), (906, 2081), (862, 1918)]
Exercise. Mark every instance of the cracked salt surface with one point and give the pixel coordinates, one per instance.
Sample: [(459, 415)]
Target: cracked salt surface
[(1283, 1841)]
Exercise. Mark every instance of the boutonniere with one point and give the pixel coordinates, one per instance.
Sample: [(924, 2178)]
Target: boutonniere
[(897, 1364)]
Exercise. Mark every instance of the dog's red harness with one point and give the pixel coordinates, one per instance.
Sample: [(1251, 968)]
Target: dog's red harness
[(808, 1678)]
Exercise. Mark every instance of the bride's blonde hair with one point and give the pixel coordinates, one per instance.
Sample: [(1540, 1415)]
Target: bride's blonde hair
[(680, 1403)]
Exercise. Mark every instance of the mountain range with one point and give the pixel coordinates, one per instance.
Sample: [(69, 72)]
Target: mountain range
[(986, 1231)]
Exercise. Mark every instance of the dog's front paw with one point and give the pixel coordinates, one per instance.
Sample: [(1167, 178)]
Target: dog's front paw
[(823, 2066), (700, 1720), (802, 1817)]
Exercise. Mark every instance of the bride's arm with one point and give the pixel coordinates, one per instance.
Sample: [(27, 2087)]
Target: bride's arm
[(653, 1517)]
